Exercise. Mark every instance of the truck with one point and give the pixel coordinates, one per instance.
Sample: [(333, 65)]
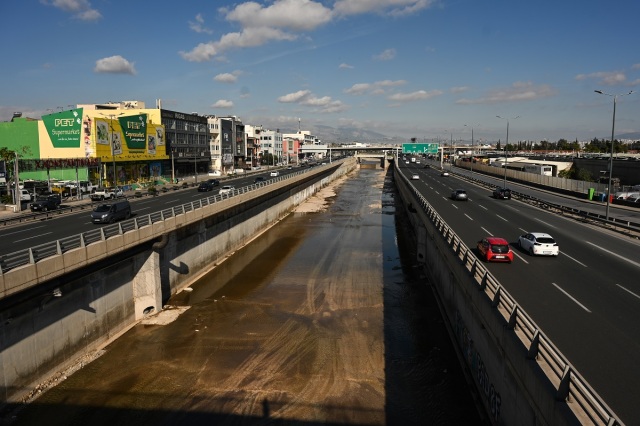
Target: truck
[(539, 169), (103, 193)]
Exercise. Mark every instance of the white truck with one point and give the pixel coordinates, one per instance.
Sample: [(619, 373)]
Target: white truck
[(106, 193)]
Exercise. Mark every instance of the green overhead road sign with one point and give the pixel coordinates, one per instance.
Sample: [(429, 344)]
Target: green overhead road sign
[(420, 148)]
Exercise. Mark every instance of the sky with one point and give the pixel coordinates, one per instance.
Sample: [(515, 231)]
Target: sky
[(424, 69)]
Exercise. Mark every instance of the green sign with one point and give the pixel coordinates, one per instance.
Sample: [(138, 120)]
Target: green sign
[(134, 128), (420, 148), (64, 128)]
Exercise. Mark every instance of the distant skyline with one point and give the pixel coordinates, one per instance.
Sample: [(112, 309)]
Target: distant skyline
[(404, 68)]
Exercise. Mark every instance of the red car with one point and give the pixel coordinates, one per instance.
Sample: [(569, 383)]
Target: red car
[(495, 249)]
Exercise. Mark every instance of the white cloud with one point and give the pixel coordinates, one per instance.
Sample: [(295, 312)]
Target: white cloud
[(81, 9), (226, 78), (608, 78), (389, 7), (385, 55), (296, 15), (305, 98), (198, 25), (222, 103), (345, 66), (114, 65), (459, 89), (375, 88), (414, 96), (519, 91)]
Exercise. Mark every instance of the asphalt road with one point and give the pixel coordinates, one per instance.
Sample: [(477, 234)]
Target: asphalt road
[(587, 300)]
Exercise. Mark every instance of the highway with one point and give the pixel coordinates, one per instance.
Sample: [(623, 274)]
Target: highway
[(56, 226), (587, 300)]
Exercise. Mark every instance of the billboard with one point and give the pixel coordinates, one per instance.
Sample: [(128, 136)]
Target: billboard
[(130, 137)]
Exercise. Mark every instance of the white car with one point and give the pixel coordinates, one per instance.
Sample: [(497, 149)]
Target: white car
[(444, 174), (227, 189), (538, 243), (274, 173), (415, 177)]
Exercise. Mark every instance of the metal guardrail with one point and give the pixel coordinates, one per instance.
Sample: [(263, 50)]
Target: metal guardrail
[(569, 384), (37, 253)]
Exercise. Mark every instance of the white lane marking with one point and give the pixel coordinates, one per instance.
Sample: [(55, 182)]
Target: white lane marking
[(35, 236), (484, 229), (24, 230), (571, 297), (546, 223), (483, 207), (615, 254), (469, 217), (502, 218), (575, 260), (519, 257), (629, 291)]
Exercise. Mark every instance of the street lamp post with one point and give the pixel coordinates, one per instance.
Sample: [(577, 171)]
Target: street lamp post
[(613, 125), (505, 147), (471, 167)]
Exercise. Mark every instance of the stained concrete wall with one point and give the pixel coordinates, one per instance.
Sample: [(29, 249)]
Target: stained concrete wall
[(116, 282)]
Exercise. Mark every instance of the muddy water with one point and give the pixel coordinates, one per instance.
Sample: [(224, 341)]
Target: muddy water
[(324, 319)]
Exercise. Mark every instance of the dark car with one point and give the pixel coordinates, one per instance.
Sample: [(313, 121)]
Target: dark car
[(459, 194), (259, 179), (45, 203), (214, 182), (502, 193), (205, 186)]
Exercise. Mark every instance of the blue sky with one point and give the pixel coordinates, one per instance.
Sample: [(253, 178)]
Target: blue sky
[(407, 68)]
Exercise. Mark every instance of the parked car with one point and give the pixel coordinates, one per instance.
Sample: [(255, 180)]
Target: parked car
[(538, 243), (45, 203), (106, 193), (215, 173), (415, 177), (274, 173), (205, 186), (459, 194), (495, 249), (502, 193), (109, 213), (227, 189)]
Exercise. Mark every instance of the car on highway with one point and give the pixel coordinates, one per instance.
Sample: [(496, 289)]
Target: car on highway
[(227, 189), (274, 173), (205, 186), (109, 213), (426, 166), (415, 177), (538, 243), (45, 203), (502, 193), (494, 249), (459, 194), (444, 173), (259, 179)]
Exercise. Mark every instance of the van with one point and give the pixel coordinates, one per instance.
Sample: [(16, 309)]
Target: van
[(111, 212)]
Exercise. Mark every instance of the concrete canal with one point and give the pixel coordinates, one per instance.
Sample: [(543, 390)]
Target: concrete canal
[(323, 319)]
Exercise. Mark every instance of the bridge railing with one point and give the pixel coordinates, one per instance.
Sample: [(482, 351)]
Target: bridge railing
[(39, 252), (569, 384)]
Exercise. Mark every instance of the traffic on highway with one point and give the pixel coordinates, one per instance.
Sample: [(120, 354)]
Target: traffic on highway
[(580, 283)]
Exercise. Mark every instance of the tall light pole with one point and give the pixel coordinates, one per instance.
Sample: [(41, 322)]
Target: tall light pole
[(613, 125), (471, 168), (505, 147)]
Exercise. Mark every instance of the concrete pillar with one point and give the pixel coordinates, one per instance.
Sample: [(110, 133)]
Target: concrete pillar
[(147, 291)]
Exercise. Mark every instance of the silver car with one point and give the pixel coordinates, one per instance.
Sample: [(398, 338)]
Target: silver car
[(459, 194)]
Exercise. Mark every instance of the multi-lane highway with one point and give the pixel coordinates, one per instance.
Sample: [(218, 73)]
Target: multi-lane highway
[(587, 300), (53, 226)]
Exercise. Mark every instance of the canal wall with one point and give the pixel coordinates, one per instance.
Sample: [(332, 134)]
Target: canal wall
[(51, 325), (518, 377)]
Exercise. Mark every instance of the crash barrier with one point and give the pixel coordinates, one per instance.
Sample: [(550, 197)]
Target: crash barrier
[(133, 231), (503, 347)]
